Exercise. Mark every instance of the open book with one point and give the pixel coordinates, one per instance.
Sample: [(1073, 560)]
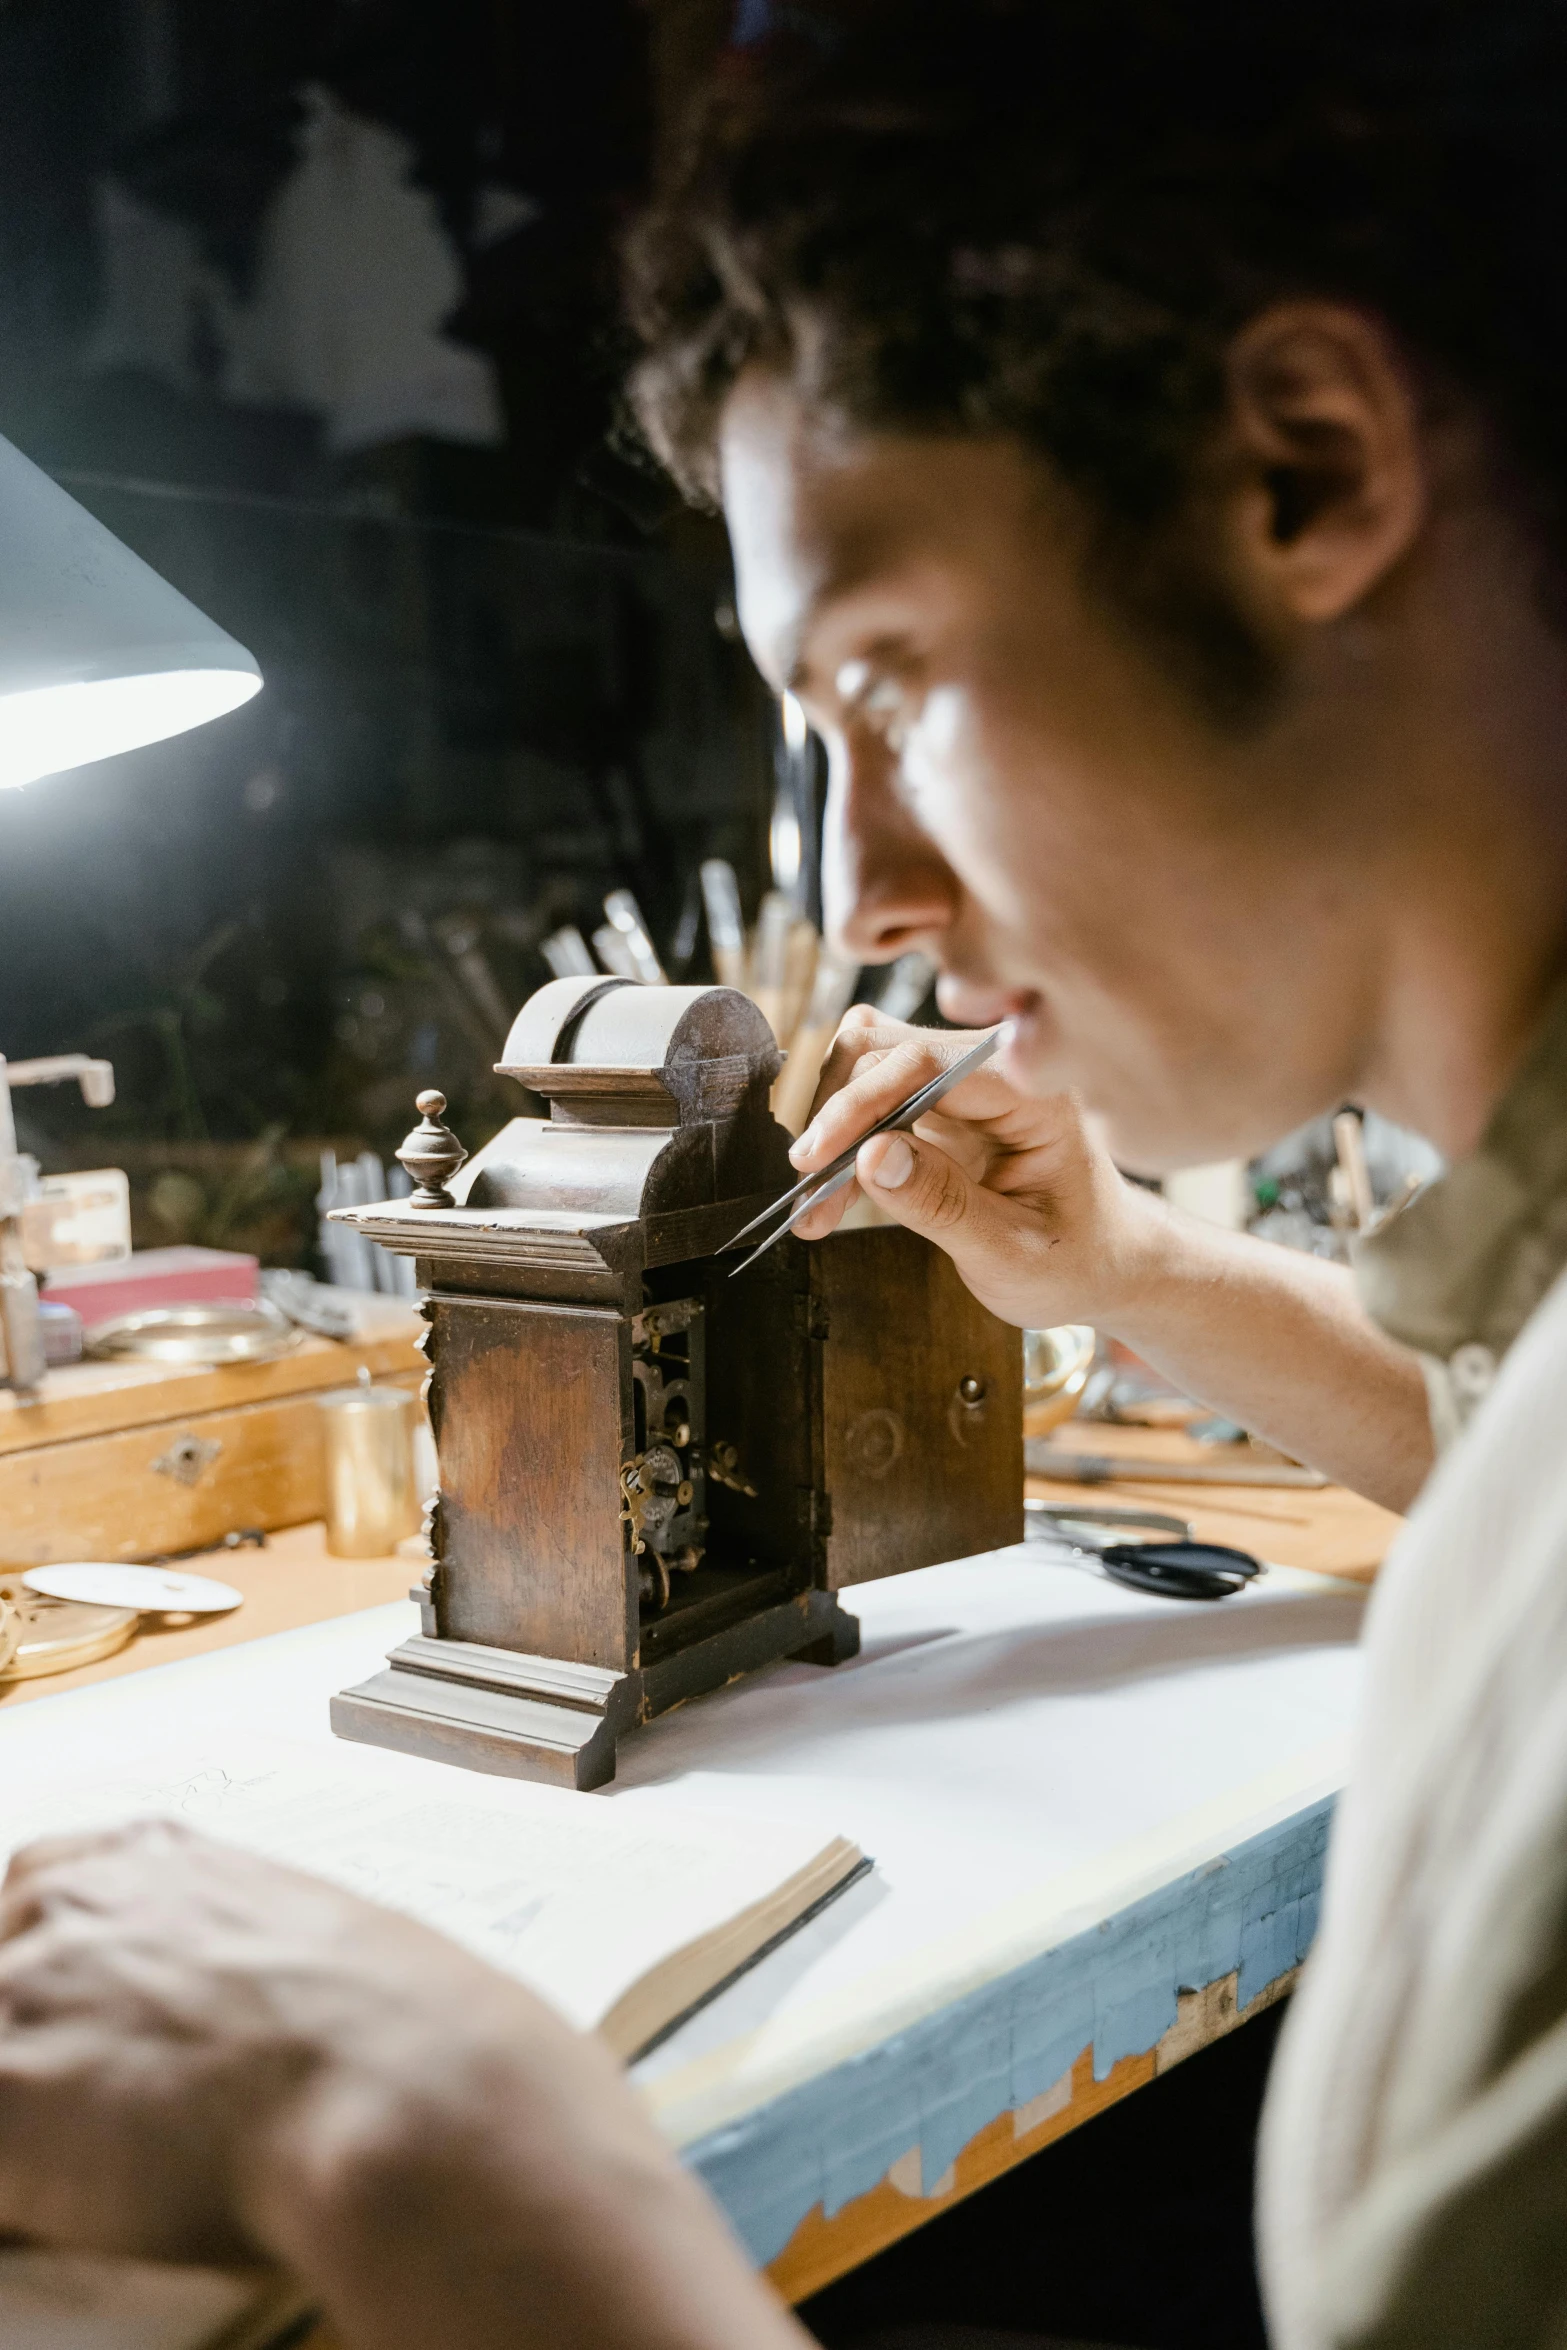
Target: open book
[(625, 1921), (80, 2301)]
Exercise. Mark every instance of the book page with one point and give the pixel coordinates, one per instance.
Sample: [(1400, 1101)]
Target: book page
[(82, 2301), (575, 1897)]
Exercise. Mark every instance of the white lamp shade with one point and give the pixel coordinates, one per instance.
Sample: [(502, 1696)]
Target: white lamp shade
[(97, 653)]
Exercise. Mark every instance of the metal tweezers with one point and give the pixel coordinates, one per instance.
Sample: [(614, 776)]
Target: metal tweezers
[(811, 1190)]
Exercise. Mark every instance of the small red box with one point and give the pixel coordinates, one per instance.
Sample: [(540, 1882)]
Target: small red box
[(155, 1277)]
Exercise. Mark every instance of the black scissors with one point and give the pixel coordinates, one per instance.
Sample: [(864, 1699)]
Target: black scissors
[(811, 1190), (1175, 1569)]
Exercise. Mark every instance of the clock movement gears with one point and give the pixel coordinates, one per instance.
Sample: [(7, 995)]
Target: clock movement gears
[(662, 1486)]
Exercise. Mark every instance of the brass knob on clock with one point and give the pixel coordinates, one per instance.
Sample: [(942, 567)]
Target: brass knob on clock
[(432, 1155)]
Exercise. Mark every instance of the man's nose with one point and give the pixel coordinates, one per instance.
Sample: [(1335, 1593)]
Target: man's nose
[(886, 886)]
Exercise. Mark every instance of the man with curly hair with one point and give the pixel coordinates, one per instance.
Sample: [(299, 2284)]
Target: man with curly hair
[(1142, 431)]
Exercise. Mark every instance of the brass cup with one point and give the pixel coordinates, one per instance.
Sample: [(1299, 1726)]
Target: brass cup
[(372, 1503)]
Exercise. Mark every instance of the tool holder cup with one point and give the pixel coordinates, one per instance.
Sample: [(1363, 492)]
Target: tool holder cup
[(654, 1479)]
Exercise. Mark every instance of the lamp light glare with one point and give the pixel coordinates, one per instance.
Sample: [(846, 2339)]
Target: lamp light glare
[(50, 728)]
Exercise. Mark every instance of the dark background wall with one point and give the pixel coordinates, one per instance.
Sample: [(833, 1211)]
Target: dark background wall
[(501, 668)]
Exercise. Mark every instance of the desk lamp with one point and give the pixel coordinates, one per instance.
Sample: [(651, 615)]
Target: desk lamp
[(97, 655)]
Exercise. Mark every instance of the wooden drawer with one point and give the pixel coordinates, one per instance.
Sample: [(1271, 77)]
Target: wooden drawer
[(134, 1461), (177, 1485)]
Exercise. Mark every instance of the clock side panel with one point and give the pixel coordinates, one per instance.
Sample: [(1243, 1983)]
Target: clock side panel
[(922, 1409), (531, 1407)]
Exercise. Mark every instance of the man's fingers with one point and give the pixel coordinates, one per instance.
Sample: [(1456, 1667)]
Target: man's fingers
[(91, 1871), (961, 1139), (864, 1041), (880, 1082), (851, 1087), (924, 1188), (42, 1875), (990, 1240), (891, 1066), (50, 1852), (829, 1215), (860, 1032)]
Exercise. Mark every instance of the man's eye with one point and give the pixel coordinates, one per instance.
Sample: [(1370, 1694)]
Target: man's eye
[(882, 703)]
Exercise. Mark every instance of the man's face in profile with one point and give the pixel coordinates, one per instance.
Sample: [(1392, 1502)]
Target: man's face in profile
[(1167, 911)]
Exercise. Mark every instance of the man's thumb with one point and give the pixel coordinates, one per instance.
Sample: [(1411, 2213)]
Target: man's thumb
[(925, 1190)]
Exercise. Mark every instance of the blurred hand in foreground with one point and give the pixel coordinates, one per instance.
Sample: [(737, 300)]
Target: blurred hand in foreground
[(207, 2057)]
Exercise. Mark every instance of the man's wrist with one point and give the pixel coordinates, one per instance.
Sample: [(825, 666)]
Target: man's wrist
[(1143, 1269), (1185, 1268)]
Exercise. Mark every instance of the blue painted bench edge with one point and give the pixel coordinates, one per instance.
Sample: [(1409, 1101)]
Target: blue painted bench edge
[(1251, 1911)]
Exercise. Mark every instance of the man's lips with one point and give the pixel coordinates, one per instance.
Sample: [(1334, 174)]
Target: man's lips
[(968, 1003), (1018, 1010), (1019, 1056)]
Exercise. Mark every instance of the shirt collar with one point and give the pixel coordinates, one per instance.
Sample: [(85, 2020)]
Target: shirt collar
[(1467, 1261)]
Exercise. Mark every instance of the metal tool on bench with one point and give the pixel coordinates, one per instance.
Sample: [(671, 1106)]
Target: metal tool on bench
[(151, 1591), (1043, 1458), (39, 1635), (208, 1332), (21, 1333), (1173, 1565), (811, 1190), (53, 1619)]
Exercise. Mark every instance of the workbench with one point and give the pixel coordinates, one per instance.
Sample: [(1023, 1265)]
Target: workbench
[(1098, 1820), (133, 1460)]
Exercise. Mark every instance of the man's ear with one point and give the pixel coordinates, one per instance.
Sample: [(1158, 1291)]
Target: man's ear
[(1324, 430)]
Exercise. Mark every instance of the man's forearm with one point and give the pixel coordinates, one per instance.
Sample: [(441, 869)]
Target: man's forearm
[(522, 2205), (1280, 1342)]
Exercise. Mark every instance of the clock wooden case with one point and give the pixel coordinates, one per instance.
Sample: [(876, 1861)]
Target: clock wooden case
[(654, 1477)]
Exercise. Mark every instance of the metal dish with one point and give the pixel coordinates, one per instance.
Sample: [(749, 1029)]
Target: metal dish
[(1056, 1365), (214, 1334), (55, 1635)]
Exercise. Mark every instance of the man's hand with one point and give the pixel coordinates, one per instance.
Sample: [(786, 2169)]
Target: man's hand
[(206, 2057), (1020, 1194), (1043, 1228), (170, 2008)]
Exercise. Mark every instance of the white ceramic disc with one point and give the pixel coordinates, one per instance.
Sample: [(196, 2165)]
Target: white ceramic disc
[(155, 1591)]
